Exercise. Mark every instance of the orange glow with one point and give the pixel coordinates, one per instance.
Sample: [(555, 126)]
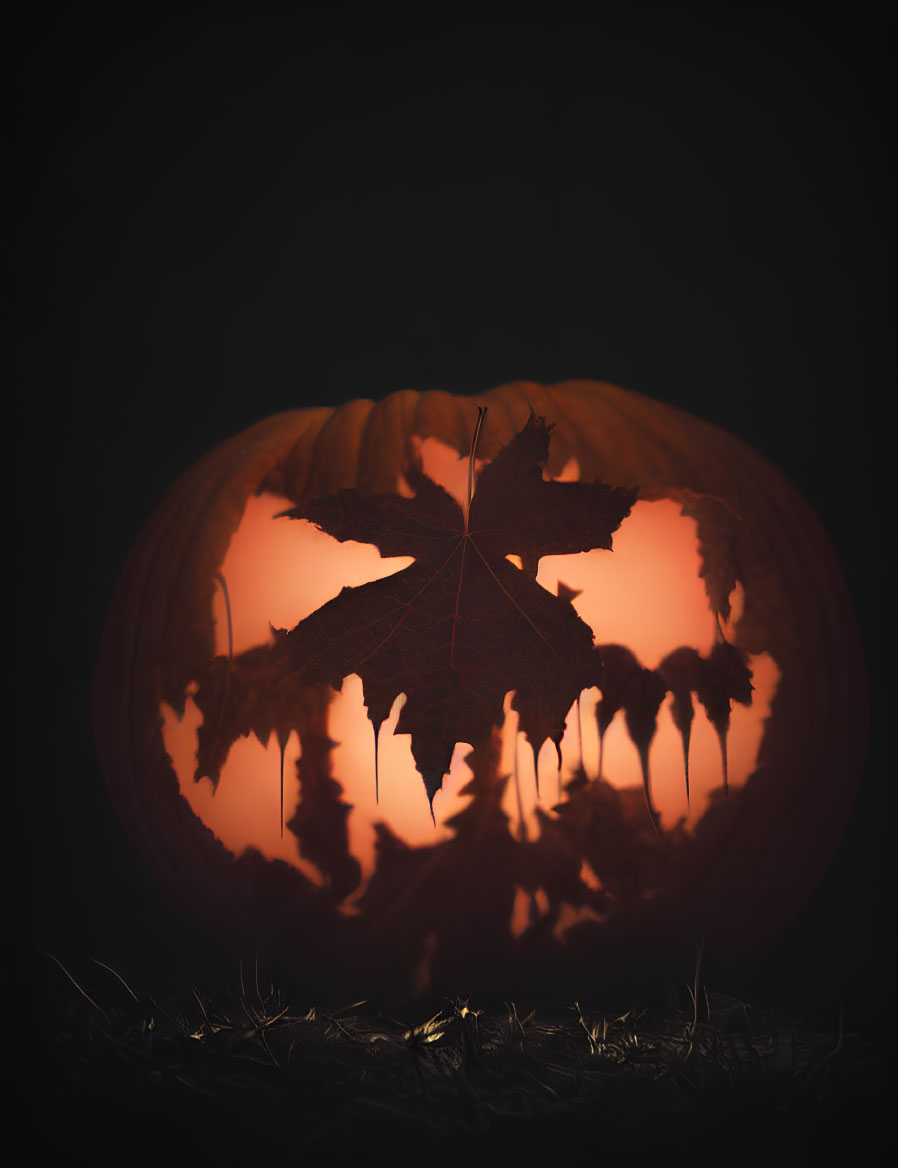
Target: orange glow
[(245, 813), (646, 594), (402, 799), (281, 570)]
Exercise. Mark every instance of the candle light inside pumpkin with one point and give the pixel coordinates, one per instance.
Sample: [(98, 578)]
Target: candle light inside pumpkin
[(647, 594)]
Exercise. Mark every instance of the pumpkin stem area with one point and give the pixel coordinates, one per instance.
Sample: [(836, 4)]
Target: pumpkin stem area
[(478, 426)]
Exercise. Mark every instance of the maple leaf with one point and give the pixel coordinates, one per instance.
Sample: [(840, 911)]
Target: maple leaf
[(462, 626)]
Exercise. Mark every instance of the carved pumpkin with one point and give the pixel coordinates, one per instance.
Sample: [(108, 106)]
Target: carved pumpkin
[(655, 819)]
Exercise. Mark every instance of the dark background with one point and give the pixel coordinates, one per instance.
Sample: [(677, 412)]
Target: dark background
[(219, 213)]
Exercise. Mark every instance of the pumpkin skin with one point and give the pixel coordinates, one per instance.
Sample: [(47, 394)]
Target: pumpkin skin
[(752, 861)]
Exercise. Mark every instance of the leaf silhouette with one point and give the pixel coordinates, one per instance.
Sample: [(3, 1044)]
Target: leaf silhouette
[(256, 692), (320, 822), (717, 528), (462, 626), (537, 719), (717, 679), (724, 676), (639, 692), (565, 591), (682, 673)]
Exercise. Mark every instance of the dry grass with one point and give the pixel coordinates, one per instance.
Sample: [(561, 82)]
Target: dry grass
[(246, 1077)]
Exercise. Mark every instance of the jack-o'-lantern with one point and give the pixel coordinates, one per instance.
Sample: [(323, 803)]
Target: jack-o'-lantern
[(447, 692)]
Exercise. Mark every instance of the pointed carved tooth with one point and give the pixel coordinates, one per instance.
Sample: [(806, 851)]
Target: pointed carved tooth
[(722, 739), (283, 744), (647, 789), (377, 725)]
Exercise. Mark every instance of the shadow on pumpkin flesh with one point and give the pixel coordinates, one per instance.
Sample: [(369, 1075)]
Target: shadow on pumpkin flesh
[(743, 871), (500, 901)]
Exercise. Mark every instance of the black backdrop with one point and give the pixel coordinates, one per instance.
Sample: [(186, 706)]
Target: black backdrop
[(219, 213)]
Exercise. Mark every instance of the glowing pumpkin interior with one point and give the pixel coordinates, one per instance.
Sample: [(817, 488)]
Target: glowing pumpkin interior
[(647, 594)]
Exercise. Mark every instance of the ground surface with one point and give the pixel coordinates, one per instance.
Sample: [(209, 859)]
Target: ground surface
[(250, 1077)]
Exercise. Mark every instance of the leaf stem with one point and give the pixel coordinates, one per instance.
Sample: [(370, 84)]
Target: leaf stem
[(227, 599), (481, 414), (376, 726), (283, 745)]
